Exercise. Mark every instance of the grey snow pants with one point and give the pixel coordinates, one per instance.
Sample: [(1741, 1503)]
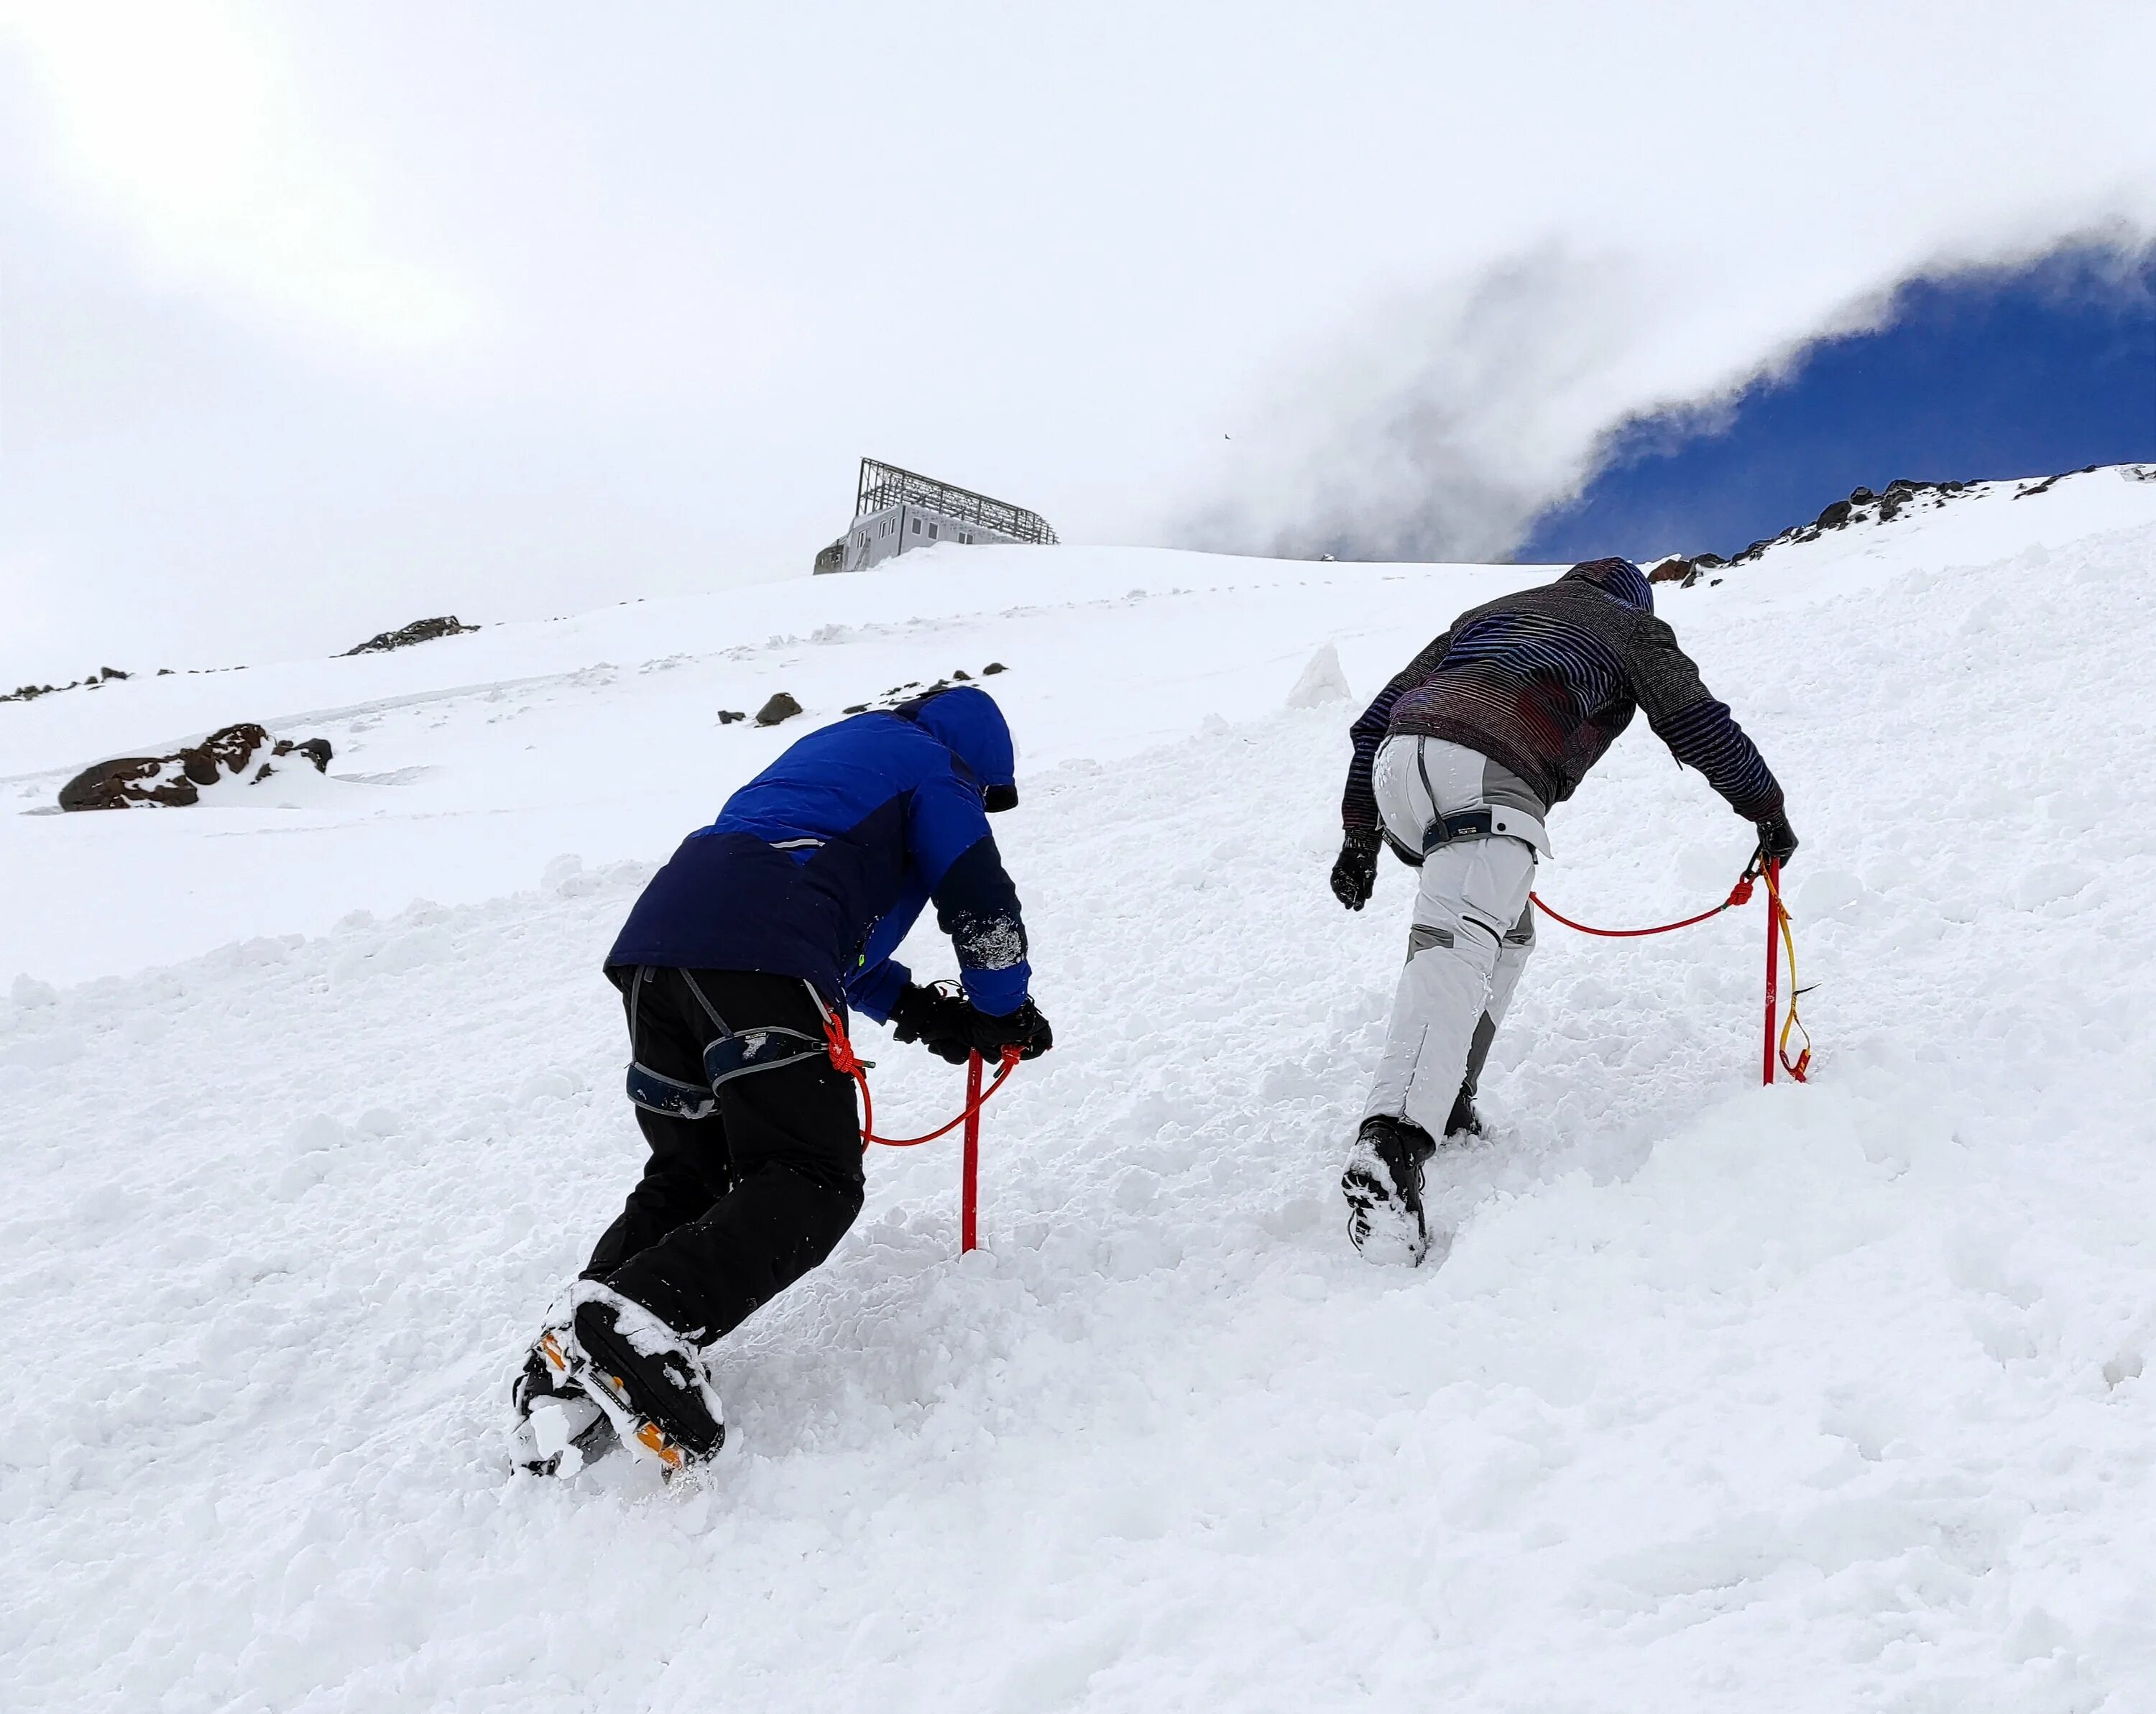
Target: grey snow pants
[(1473, 927)]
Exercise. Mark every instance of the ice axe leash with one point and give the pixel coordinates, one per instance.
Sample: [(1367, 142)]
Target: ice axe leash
[(847, 1061), (1778, 1047), (1780, 941)]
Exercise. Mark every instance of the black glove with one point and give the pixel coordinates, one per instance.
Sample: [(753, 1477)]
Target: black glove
[(1778, 839), (940, 1021), (1355, 870), (1025, 1029)]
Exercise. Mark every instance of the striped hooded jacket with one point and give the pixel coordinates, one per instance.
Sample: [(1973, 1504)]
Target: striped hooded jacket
[(1544, 680)]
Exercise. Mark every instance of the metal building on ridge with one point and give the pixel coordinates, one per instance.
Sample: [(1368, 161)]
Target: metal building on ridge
[(896, 510)]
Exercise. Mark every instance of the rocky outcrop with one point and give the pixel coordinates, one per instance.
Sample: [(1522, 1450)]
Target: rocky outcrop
[(919, 687), (174, 782), (418, 631), (30, 693), (1862, 506), (2045, 486), (781, 707)]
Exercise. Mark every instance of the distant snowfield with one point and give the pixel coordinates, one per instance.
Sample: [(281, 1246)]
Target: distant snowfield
[(1813, 1399)]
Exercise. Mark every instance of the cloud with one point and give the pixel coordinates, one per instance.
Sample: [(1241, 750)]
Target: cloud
[(185, 130), (510, 311), (1441, 429), (1448, 421)]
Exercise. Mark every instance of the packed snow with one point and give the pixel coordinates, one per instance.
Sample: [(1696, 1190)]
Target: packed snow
[(1814, 1398)]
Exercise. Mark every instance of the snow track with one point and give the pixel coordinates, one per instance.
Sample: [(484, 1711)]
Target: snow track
[(1815, 1398)]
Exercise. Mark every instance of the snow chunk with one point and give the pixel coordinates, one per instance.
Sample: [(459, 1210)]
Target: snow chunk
[(1323, 681), (28, 992), (560, 869)]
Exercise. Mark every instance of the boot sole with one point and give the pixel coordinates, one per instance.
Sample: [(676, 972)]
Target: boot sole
[(590, 1443), (608, 1360), (1390, 1235)]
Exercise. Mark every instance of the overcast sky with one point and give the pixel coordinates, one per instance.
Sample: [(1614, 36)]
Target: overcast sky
[(319, 318)]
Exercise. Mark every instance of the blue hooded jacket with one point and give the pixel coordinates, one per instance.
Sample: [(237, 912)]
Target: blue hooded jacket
[(819, 865)]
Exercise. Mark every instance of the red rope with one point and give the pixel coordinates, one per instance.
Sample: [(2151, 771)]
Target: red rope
[(1741, 893), (843, 1057), (1779, 938)]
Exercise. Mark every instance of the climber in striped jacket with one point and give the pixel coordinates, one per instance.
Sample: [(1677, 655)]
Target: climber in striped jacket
[(1456, 766)]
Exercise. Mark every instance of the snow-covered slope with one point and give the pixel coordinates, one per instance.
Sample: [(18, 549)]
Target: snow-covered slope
[(1810, 1399)]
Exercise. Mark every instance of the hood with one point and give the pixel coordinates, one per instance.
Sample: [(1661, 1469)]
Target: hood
[(1618, 579), (967, 722)]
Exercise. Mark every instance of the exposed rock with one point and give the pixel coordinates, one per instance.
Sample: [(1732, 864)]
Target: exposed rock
[(783, 706), (127, 782), (418, 631), (176, 781), (2045, 486), (1862, 506), (1670, 571), (30, 693)]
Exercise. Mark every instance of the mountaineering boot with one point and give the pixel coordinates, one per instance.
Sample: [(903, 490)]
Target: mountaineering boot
[(1383, 1184), (558, 1427), (1463, 1121), (645, 1376)]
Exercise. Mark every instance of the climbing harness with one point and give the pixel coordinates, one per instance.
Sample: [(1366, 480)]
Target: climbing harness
[(729, 1054), (1779, 942), (734, 1054)]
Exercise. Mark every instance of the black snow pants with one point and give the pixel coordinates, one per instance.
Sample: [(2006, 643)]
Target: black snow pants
[(735, 1206)]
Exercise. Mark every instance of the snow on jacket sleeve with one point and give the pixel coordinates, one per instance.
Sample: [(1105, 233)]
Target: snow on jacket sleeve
[(1698, 729), (954, 856), (976, 904), (1358, 804)]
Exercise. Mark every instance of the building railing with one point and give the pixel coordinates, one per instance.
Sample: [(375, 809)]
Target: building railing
[(882, 486)]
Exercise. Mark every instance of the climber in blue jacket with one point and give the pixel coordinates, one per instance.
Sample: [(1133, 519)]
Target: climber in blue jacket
[(783, 914)]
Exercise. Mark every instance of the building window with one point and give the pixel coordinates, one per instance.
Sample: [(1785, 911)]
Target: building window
[(931, 532), (917, 526)]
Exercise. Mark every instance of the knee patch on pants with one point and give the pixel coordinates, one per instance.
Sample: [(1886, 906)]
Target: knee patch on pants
[(1423, 936)]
